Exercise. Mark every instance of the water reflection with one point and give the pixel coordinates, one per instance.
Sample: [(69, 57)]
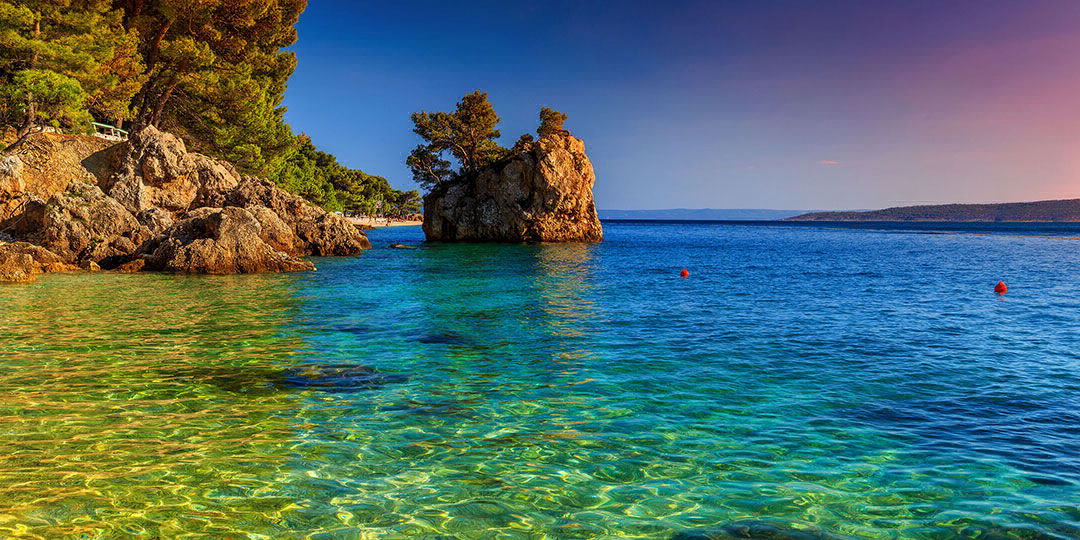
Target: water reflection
[(563, 282), (531, 302)]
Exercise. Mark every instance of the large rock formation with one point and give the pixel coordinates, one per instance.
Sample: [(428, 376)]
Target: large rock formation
[(82, 225), (149, 203), (542, 193), (221, 241)]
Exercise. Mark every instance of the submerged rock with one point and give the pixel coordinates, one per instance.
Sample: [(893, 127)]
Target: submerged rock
[(338, 378), (757, 529), (331, 378), (541, 194), (443, 338)]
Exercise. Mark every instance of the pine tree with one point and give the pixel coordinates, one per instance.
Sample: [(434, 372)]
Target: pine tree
[(216, 74), (468, 134), (429, 170), (551, 123), (59, 57)]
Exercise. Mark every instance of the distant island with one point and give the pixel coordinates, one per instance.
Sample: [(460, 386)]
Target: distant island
[(703, 214), (1056, 210)]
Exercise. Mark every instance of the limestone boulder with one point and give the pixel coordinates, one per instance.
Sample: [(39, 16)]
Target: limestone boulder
[(542, 193), (157, 171), (275, 232), (12, 183), (220, 241), (131, 266), (83, 225), (44, 164), (318, 232), (155, 219), (17, 267), (149, 202)]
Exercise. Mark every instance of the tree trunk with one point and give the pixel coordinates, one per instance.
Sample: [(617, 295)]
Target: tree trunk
[(31, 104), (145, 116), (163, 100)]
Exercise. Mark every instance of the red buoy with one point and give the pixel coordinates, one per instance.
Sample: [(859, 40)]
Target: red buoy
[(685, 273), (1001, 288)]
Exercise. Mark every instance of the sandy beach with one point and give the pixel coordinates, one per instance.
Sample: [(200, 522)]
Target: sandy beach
[(373, 222)]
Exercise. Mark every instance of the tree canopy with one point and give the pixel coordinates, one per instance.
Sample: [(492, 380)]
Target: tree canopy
[(216, 72), (469, 134), (61, 60), (551, 123), (318, 177), (213, 72)]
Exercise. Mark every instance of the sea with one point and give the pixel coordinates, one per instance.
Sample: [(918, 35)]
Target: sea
[(806, 380)]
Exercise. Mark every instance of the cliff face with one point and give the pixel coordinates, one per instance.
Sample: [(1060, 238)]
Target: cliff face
[(149, 203), (541, 194)]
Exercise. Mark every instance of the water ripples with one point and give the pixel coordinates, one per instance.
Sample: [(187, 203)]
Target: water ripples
[(803, 383)]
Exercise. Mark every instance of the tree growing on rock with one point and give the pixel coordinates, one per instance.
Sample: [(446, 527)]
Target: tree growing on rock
[(551, 123), (522, 143), (429, 170), (468, 134)]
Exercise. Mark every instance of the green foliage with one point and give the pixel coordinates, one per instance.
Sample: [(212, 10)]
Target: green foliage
[(523, 142), (58, 99), (468, 133), (212, 71), (411, 201), (59, 58), (551, 123), (429, 170), (216, 74), (117, 77), (318, 177)]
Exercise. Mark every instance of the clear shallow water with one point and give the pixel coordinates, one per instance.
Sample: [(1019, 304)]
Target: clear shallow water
[(856, 383)]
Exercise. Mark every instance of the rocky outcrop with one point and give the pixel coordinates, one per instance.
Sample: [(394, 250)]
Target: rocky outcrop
[(83, 225), (149, 203), (21, 262), (227, 240), (45, 164), (157, 171), (317, 232), (542, 193)]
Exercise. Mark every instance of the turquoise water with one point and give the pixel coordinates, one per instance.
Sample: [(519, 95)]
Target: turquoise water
[(813, 381)]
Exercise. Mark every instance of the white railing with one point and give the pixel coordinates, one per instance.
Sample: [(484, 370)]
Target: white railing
[(111, 133)]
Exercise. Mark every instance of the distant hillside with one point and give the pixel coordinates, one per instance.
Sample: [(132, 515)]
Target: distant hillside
[(702, 214), (1059, 210)]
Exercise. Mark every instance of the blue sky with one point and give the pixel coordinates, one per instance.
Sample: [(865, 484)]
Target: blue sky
[(776, 104)]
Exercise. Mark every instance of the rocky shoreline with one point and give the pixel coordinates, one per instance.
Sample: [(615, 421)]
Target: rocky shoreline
[(71, 202)]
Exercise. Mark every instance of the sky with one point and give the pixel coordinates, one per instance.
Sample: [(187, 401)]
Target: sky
[(826, 104)]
